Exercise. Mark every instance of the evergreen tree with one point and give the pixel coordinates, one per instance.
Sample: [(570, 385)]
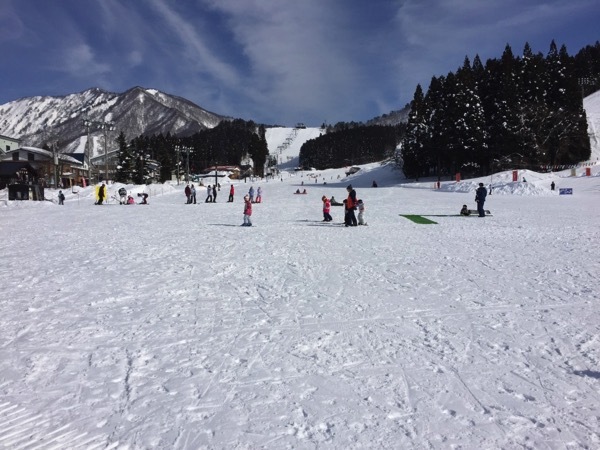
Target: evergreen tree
[(436, 153), (503, 109), (416, 136), (472, 154), (125, 165)]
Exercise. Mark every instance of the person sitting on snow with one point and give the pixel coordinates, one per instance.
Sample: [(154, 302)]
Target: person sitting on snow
[(465, 211), (122, 196)]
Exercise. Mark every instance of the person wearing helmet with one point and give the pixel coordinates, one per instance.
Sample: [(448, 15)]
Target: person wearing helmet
[(247, 211)]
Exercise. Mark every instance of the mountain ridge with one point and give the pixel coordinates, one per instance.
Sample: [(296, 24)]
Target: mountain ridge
[(41, 120)]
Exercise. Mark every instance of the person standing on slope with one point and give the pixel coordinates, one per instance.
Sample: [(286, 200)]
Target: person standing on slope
[(231, 192), (247, 211), (326, 209), (351, 204), (480, 195), (258, 195), (193, 195), (361, 213), (101, 194)]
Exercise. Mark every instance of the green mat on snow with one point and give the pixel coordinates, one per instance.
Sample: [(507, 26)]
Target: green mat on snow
[(418, 219)]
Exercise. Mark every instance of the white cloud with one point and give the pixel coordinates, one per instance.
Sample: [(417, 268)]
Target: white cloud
[(198, 54), (80, 61), (135, 58)]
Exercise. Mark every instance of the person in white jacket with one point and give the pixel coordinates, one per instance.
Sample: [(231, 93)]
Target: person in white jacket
[(361, 212)]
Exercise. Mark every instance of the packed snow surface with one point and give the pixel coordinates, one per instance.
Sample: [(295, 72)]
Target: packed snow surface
[(170, 326)]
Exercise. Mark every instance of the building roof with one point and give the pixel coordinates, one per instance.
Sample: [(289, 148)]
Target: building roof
[(47, 153), (8, 138)]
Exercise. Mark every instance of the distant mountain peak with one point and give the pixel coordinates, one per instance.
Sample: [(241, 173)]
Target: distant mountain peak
[(40, 120)]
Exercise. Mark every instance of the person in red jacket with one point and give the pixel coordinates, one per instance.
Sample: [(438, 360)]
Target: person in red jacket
[(247, 211), (231, 192), (326, 209), (351, 203)]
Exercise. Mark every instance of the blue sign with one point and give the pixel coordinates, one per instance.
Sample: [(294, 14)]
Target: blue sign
[(565, 191)]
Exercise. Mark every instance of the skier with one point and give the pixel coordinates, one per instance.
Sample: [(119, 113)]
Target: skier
[(351, 202), (101, 194), (188, 193), (193, 195), (247, 211), (251, 194), (361, 213), (231, 192), (326, 209), (480, 195), (208, 194), (61, 198), (258, 195)]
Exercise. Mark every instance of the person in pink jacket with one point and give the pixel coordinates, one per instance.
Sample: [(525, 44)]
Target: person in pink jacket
[(247, 211), (326, 209)]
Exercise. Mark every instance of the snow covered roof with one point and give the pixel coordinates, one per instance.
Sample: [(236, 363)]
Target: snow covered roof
[(47, 153)]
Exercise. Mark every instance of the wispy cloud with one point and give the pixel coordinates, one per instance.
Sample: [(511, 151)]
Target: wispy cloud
[(11, 26), (79, 60), (298, 53), (269, 60), (192, 42)]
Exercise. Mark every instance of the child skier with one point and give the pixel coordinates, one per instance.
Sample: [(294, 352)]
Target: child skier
[(326, 209), (361, 212), (258, 195), (247, 211)]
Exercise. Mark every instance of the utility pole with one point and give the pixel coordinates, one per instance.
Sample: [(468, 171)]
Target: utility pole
[(105, 126), (177, 149), (187, 164), (88, 150), (55, 161)]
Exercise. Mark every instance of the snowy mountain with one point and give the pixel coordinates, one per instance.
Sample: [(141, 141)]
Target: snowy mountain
[(43, 119), (591, 104)]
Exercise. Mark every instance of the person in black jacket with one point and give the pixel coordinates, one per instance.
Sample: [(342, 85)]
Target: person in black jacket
[(480, 195), (351, 204)]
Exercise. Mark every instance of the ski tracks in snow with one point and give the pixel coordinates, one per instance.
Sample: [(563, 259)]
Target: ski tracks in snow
[(22, 430)]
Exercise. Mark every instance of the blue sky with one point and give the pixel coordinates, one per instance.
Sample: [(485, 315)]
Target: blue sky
[(272, 61)]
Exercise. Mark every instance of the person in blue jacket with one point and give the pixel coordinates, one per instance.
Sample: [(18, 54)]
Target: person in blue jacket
[(480, 195)]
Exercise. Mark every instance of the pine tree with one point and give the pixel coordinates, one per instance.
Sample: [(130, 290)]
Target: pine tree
[(125, 165), (472, 152), (504, 110), (416, 136), (436, 149)]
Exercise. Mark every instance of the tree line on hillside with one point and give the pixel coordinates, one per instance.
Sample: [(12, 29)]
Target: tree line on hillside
[(524, 112), (347, 144), (227, 144)]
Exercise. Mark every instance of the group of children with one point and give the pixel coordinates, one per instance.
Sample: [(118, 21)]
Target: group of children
[(327, 203), (125, 199)]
